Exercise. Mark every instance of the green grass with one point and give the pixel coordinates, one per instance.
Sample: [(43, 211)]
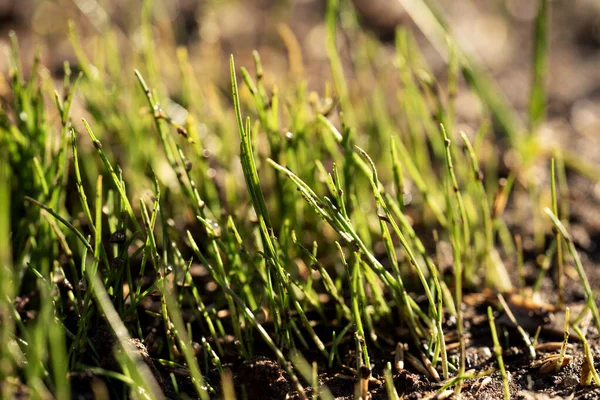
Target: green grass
[(284, 197), (498, 351)]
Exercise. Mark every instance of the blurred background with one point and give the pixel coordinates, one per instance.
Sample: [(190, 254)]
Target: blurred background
[(497, 33)]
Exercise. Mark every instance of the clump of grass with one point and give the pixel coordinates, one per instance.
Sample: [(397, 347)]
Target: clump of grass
[(313, 224), (591, 303)]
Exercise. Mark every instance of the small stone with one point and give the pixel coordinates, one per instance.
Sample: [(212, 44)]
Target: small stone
[(477, 356), (570, 381)]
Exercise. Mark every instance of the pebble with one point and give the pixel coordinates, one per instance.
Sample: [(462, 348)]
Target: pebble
[(478, 355), (570, 380)]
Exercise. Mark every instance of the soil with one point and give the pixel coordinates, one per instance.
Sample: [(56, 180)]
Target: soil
[(573, 122)]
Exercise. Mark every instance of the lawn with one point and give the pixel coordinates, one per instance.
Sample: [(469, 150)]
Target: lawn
[(343, 213)]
